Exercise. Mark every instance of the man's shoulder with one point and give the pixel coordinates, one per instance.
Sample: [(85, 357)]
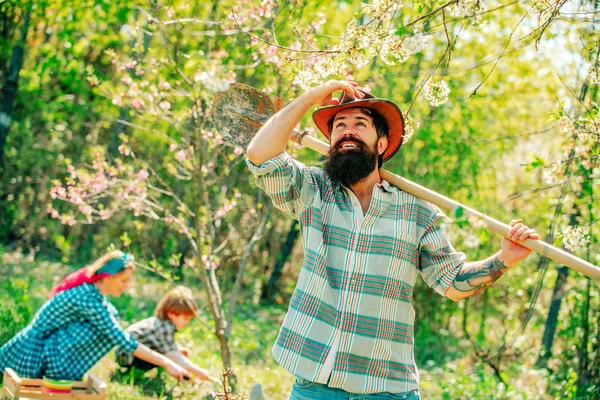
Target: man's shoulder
[(410, 200)]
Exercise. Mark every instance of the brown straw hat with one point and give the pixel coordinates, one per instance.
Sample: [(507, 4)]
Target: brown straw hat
[(386, 108)]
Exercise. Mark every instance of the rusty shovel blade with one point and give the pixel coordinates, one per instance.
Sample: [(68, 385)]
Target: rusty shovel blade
[(240, 111)]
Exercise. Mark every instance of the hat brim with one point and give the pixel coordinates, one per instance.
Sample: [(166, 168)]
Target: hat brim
[(386, 108)]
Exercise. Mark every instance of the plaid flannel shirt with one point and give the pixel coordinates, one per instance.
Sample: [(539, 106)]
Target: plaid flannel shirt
[(356, 282), (153, 332), (69, 334)]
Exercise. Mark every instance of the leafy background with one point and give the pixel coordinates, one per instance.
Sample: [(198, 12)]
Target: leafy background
[(106, 140)]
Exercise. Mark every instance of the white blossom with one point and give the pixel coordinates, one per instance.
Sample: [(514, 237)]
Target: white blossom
[(437, 93), (416, 43), (551, 175), (381, 8), (594, 75), (471, 9), (575, 237), (566, 125), (211, 82), (409, 128)]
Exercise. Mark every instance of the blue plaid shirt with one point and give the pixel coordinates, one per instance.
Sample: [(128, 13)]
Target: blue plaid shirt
[(350, 321), (69, 334)]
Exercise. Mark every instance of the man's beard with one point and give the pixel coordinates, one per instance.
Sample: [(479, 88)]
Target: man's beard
[(350, 167)]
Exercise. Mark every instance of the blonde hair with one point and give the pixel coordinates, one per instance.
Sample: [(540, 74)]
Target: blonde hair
[(178, 300), (99, 263)]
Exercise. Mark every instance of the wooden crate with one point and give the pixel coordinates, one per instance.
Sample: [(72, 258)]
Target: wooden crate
[(15, 387)]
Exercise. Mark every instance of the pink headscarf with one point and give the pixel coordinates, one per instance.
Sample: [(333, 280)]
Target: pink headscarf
[(84, 275), (75, 279)]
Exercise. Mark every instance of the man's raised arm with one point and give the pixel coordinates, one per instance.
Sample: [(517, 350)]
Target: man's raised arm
[(272, 138)]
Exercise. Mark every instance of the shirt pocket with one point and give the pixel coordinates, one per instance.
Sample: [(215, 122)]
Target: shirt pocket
[(392, 253)]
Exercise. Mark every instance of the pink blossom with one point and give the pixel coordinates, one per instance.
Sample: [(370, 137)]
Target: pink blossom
[(137, 103), (238, 150), (123, 149), (128, 189), (86, 209), (67, 219), (254, 41), (180, 156), (142, 174), (165, 105), (126, 80), (164, 85), (173, 147), (105, 214)]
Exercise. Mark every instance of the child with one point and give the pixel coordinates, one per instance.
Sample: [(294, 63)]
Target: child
[(78, 326), (173, 312)]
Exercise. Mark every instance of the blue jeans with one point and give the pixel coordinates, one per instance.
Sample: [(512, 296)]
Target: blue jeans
[(307, 390)]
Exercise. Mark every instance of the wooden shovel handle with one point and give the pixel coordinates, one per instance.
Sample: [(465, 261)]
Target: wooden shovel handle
[(539, 246)]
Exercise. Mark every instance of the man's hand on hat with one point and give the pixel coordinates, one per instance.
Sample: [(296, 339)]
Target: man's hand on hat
[(322, 94)]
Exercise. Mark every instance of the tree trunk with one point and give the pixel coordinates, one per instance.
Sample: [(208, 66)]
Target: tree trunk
[(583, 368), (12, 84), (9, 93), (552, 319), (282, 257)]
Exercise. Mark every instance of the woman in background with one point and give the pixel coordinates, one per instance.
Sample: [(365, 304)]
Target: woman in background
[(78, 326)]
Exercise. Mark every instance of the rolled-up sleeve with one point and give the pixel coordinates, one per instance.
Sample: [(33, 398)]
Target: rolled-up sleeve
[(439, 263), (290, 184)]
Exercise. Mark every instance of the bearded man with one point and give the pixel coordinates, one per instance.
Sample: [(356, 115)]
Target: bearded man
[(348, 333)]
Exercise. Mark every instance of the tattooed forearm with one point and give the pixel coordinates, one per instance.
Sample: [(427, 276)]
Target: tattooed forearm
[(476, 276)]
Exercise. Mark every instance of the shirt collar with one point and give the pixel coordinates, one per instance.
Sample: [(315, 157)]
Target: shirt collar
[(384, 185)]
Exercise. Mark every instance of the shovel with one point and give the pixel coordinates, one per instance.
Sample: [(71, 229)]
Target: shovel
[(240, 111)]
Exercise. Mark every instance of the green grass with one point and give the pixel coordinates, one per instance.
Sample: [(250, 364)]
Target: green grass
[(447, 362)]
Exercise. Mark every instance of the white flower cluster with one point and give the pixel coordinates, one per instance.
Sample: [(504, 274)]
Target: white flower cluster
[(211, 82), (361, 43), (594, 75), (437, 93), (326, 66), (575, 237), (394, 48), (402, 48), (416, 43), (381, 8), (409, 128), (471, 9), (553, 174), (566, 125), (582, 129)]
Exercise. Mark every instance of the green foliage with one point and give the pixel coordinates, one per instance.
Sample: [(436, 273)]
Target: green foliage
[(509, 142), (16, 311)]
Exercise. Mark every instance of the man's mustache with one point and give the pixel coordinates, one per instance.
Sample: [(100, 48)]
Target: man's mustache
[(351, 139)]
